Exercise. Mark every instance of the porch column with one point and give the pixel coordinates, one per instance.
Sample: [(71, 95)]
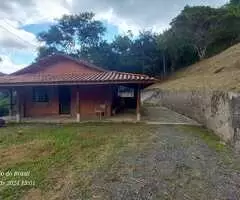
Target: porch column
[(10, 93), (78, 105), (18, 107), (138, 103)]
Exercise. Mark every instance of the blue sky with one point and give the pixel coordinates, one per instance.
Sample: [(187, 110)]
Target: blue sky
[(22, 20), (112, 30)]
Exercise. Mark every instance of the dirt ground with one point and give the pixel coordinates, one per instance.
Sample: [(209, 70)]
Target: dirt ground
[(176, 164)]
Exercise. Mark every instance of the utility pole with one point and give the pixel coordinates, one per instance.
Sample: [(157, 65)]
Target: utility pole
[(142, 56)]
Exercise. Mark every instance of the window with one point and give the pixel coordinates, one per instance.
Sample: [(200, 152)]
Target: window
[(40, 94)]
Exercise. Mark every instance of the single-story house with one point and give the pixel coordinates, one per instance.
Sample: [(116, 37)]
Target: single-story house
[(61, 85)]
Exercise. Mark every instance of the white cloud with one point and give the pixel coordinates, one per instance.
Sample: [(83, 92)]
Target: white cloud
[(14, 14), (126, 14), (33, 11), (8, 66), (13, 38), (138, 14), (126, 25)]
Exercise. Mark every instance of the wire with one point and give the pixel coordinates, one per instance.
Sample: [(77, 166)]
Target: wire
[(20, 38)]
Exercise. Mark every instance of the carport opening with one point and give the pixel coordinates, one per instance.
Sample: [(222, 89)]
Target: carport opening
[(124, 100)]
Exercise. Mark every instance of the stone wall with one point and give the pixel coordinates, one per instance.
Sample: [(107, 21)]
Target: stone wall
[(217, 110)]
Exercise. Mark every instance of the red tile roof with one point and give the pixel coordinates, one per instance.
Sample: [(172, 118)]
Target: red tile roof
[(30, 75), (72, 78)]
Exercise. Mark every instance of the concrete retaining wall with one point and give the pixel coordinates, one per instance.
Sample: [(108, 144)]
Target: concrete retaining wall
[(218, 111)]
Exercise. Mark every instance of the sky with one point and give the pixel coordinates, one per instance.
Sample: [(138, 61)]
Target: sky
[(22, 20)]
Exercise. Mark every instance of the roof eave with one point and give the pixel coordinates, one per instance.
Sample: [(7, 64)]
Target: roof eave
[(142, 82)]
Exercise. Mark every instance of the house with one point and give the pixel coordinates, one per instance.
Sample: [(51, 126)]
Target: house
[(60, 85)]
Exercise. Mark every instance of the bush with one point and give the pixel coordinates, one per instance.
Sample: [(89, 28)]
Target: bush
[(3, 111), (3, 104)]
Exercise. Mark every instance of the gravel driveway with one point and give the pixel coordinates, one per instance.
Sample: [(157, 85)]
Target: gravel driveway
[(176, 163), (163, 115)]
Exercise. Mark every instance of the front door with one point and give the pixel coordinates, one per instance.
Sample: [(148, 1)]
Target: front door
[(64, 100)]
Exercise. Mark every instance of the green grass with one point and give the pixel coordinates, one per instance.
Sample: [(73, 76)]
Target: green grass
[(62, 156), (225, 151), (212, 140)]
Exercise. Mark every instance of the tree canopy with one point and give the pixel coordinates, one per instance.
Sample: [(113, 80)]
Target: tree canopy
[(72, 35), (195, 34)]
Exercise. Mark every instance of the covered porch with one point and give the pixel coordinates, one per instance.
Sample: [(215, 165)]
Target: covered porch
[(74, 103)]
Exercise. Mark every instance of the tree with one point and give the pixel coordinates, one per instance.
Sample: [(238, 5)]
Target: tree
[(146, 53), (235, 2), (197, 26), (122, 50), (177, 51), (233, 8), (138, 55), (72, 34), (228, 31), (101, 55)]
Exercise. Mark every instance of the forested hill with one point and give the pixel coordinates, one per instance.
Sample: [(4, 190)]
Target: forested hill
[(220, 72)]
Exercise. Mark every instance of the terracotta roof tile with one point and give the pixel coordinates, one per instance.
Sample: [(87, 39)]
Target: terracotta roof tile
[(98, 77)]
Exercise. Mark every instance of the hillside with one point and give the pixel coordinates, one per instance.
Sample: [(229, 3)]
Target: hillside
[(221, 72)]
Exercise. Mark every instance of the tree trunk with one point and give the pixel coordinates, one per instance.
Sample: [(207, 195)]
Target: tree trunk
[(164, 64), (201, 51)]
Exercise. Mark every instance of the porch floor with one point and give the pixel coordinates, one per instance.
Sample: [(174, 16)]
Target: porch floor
[(123, 117), (151, 115)]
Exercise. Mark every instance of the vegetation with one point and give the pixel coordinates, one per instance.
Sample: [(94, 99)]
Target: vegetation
[(4, 104), (220, 72), (212, 140), (196, 33), (61, 158)]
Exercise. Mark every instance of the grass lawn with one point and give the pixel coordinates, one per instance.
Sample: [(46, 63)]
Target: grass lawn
[(61, 158)]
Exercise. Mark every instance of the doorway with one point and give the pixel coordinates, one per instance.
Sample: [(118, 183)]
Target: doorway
[(64, 100)]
